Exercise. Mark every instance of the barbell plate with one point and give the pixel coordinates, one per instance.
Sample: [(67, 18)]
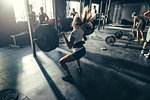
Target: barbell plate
[(110, 40), (88, 28), (9, 94), (47, 36), (118, 34), (130, 36)]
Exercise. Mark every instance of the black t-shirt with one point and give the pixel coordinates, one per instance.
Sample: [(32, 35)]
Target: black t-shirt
[(95, 11), (140, 20), (42, 18)]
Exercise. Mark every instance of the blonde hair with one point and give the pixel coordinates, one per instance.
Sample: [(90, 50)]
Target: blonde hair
[(86, 16), (77, 22)]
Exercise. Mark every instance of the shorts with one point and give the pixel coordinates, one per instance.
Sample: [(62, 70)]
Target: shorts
[(148, 35), (79, 54), (141, 27)]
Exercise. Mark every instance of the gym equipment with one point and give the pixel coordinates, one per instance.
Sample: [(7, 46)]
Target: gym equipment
[(88, 28), (9, 94), (110, 40), (47, 38), (131, 35), (19, 39), (118, 34)]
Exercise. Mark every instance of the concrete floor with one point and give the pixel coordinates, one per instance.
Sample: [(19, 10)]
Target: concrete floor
[(118, 73)]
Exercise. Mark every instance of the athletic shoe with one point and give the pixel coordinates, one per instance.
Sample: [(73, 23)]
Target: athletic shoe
[(142, 52), (67, 78), (136, 40), (147, 55), (142, 40)]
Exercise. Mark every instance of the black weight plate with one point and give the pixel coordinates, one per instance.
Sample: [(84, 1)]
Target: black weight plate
[(118, 34), (110, 40), (9, 94), (47, 37), (88, 28), (130, 36)]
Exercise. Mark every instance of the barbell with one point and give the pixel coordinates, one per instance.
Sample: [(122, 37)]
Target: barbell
[(47, 38), (110, 40), (119, 34)]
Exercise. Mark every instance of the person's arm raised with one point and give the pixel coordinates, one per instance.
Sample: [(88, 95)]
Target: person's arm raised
[(147, 14)]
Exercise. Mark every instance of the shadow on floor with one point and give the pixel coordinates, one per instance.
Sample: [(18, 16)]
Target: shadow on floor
[(51, 83), (130, 80), (127, 45), (126, 66)]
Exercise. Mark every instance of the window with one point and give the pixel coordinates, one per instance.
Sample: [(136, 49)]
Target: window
[(19, 8), (76, 5), (46, 4), (97, 7), (70, 6)]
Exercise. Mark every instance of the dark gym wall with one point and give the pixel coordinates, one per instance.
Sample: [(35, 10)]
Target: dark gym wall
[(129, 9), (120, 12), (61, 8), (86, 2)]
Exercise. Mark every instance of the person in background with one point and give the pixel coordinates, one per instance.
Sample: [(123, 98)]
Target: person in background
[(94, 11), (42, 16), (73, 13), (147, 15), (140, 23), (32, 18)]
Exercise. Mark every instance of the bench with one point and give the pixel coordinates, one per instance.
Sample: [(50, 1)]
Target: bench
[(15, 38)]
